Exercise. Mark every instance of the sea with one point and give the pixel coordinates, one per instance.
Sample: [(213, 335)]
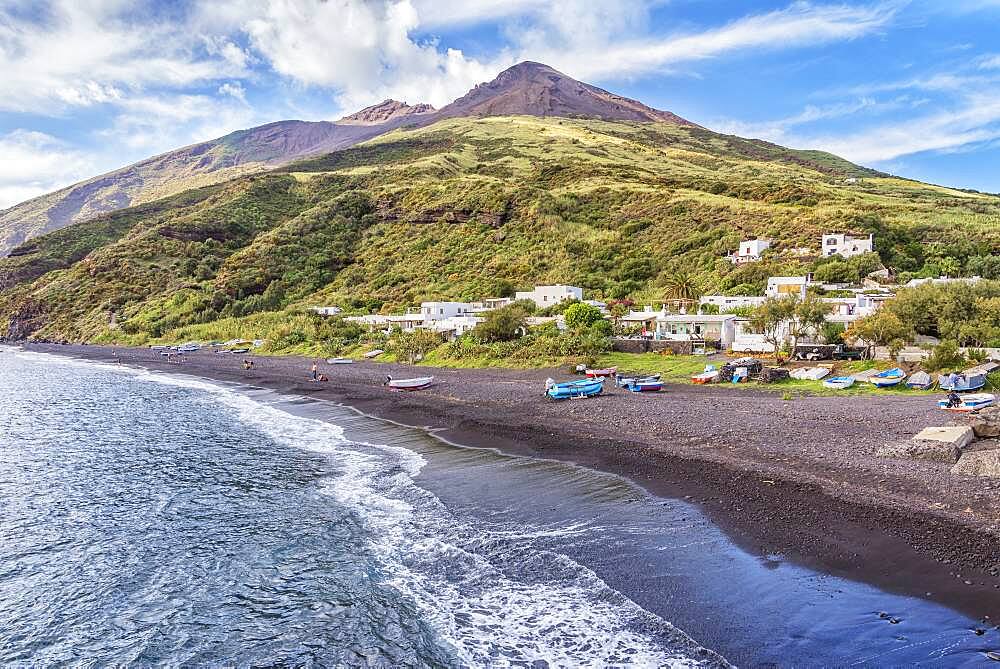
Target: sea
[(151, 519)]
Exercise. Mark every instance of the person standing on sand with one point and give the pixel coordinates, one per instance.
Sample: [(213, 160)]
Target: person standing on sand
[(315, 371)]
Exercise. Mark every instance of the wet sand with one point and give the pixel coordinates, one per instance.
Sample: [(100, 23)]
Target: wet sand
[(797, 478)]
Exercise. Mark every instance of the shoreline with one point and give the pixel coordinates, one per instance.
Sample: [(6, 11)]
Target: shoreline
[(894, 543)]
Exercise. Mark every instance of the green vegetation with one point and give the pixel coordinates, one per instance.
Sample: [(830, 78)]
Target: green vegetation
[(472, 208)]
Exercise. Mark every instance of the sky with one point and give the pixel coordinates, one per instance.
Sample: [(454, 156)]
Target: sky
[(911, 87)]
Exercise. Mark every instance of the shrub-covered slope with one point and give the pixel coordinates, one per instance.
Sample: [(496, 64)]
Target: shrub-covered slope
[(468, 208)]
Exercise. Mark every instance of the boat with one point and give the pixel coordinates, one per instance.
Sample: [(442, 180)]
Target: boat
[(920, 381), (189, 348), (605, 372), (418, 383), (970, 402), (576, 389), (339, 361), (628, 380), (239, 350), (646, 384), (889, 377), (839, 382), (809, 373), (374, 354), (708, 376), (970, 379)]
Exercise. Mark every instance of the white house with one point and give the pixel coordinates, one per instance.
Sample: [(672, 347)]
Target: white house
[(750, 251), (788, 286), (726, 302), (439, 311), (491, 303), (406, 322), (453, 326), (326, 311), (847, 246), (748, 340), (686, 327), (644, 318), (546, 296)]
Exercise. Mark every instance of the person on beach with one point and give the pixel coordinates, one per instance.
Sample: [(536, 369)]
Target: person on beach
[(954, 400), (315, 372)]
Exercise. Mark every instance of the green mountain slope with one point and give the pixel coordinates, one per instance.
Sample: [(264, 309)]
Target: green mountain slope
[(467, 208)]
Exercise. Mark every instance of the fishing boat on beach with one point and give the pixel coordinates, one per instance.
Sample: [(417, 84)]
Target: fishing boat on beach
[(418, 383), (920, 381), (575, 389), (647, 384), (373, 354), (969, 403), (973, 378), (888, 378), (605, 372), (708, 376), (809, 373), (339, 361), (839, 382)]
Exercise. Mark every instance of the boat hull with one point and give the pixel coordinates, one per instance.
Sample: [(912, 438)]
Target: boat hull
[(969, 403), (575, 389), (410, 384), (839, 383)]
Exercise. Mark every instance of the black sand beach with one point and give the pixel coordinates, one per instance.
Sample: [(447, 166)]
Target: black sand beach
[(797, 478)]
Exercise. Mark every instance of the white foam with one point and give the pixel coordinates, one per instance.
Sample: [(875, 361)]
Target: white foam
[(570, 618)]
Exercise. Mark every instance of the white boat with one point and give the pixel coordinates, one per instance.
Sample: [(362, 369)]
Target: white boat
[(970, 402), (708, 376), (339, 361), (809, 373), (374, 354), (839, 382), (418, 383)]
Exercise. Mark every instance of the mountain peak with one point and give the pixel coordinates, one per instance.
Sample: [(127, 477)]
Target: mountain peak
[(536, 89), (385, 111)]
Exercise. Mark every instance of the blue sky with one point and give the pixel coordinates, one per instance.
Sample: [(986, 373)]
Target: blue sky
[(911, 87)]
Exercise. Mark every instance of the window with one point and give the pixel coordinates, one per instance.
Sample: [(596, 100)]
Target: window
[(831, 242)]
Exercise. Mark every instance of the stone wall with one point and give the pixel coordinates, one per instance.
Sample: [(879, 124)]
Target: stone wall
[(651, 346)]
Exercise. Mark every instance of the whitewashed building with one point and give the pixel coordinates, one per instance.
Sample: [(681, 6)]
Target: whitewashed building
[(439, 311), (453, 326), (726, 302), (750, 250), (406, 322), (747, 340), (326, 311), (847, 246), (705, 327), (788, 286), (546, 296)]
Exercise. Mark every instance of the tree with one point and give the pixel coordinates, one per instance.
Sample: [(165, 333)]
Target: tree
[(415, 345), (771, 318), (581, 315), (506, 324), (681, 285), (618, 310), (808, 318), (883, 328)]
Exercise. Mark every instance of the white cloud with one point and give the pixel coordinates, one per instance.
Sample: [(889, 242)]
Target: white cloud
[(86, 53), (587, 52), (33, 163), (975, 119), (234, 89)]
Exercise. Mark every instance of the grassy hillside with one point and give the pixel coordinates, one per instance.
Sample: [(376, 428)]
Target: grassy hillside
[(468, 208)]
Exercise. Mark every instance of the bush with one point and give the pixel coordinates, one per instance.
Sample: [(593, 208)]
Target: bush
[(945, 356), (506, 324), (580, 315)]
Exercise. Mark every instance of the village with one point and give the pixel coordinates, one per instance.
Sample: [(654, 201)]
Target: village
[(710, 323)]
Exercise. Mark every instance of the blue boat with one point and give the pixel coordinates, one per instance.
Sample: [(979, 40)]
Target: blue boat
[(970, 379), (648, 384), (582, 388), (889, 377)]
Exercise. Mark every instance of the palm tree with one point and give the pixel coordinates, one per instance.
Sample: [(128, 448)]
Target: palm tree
[(681, 286)]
